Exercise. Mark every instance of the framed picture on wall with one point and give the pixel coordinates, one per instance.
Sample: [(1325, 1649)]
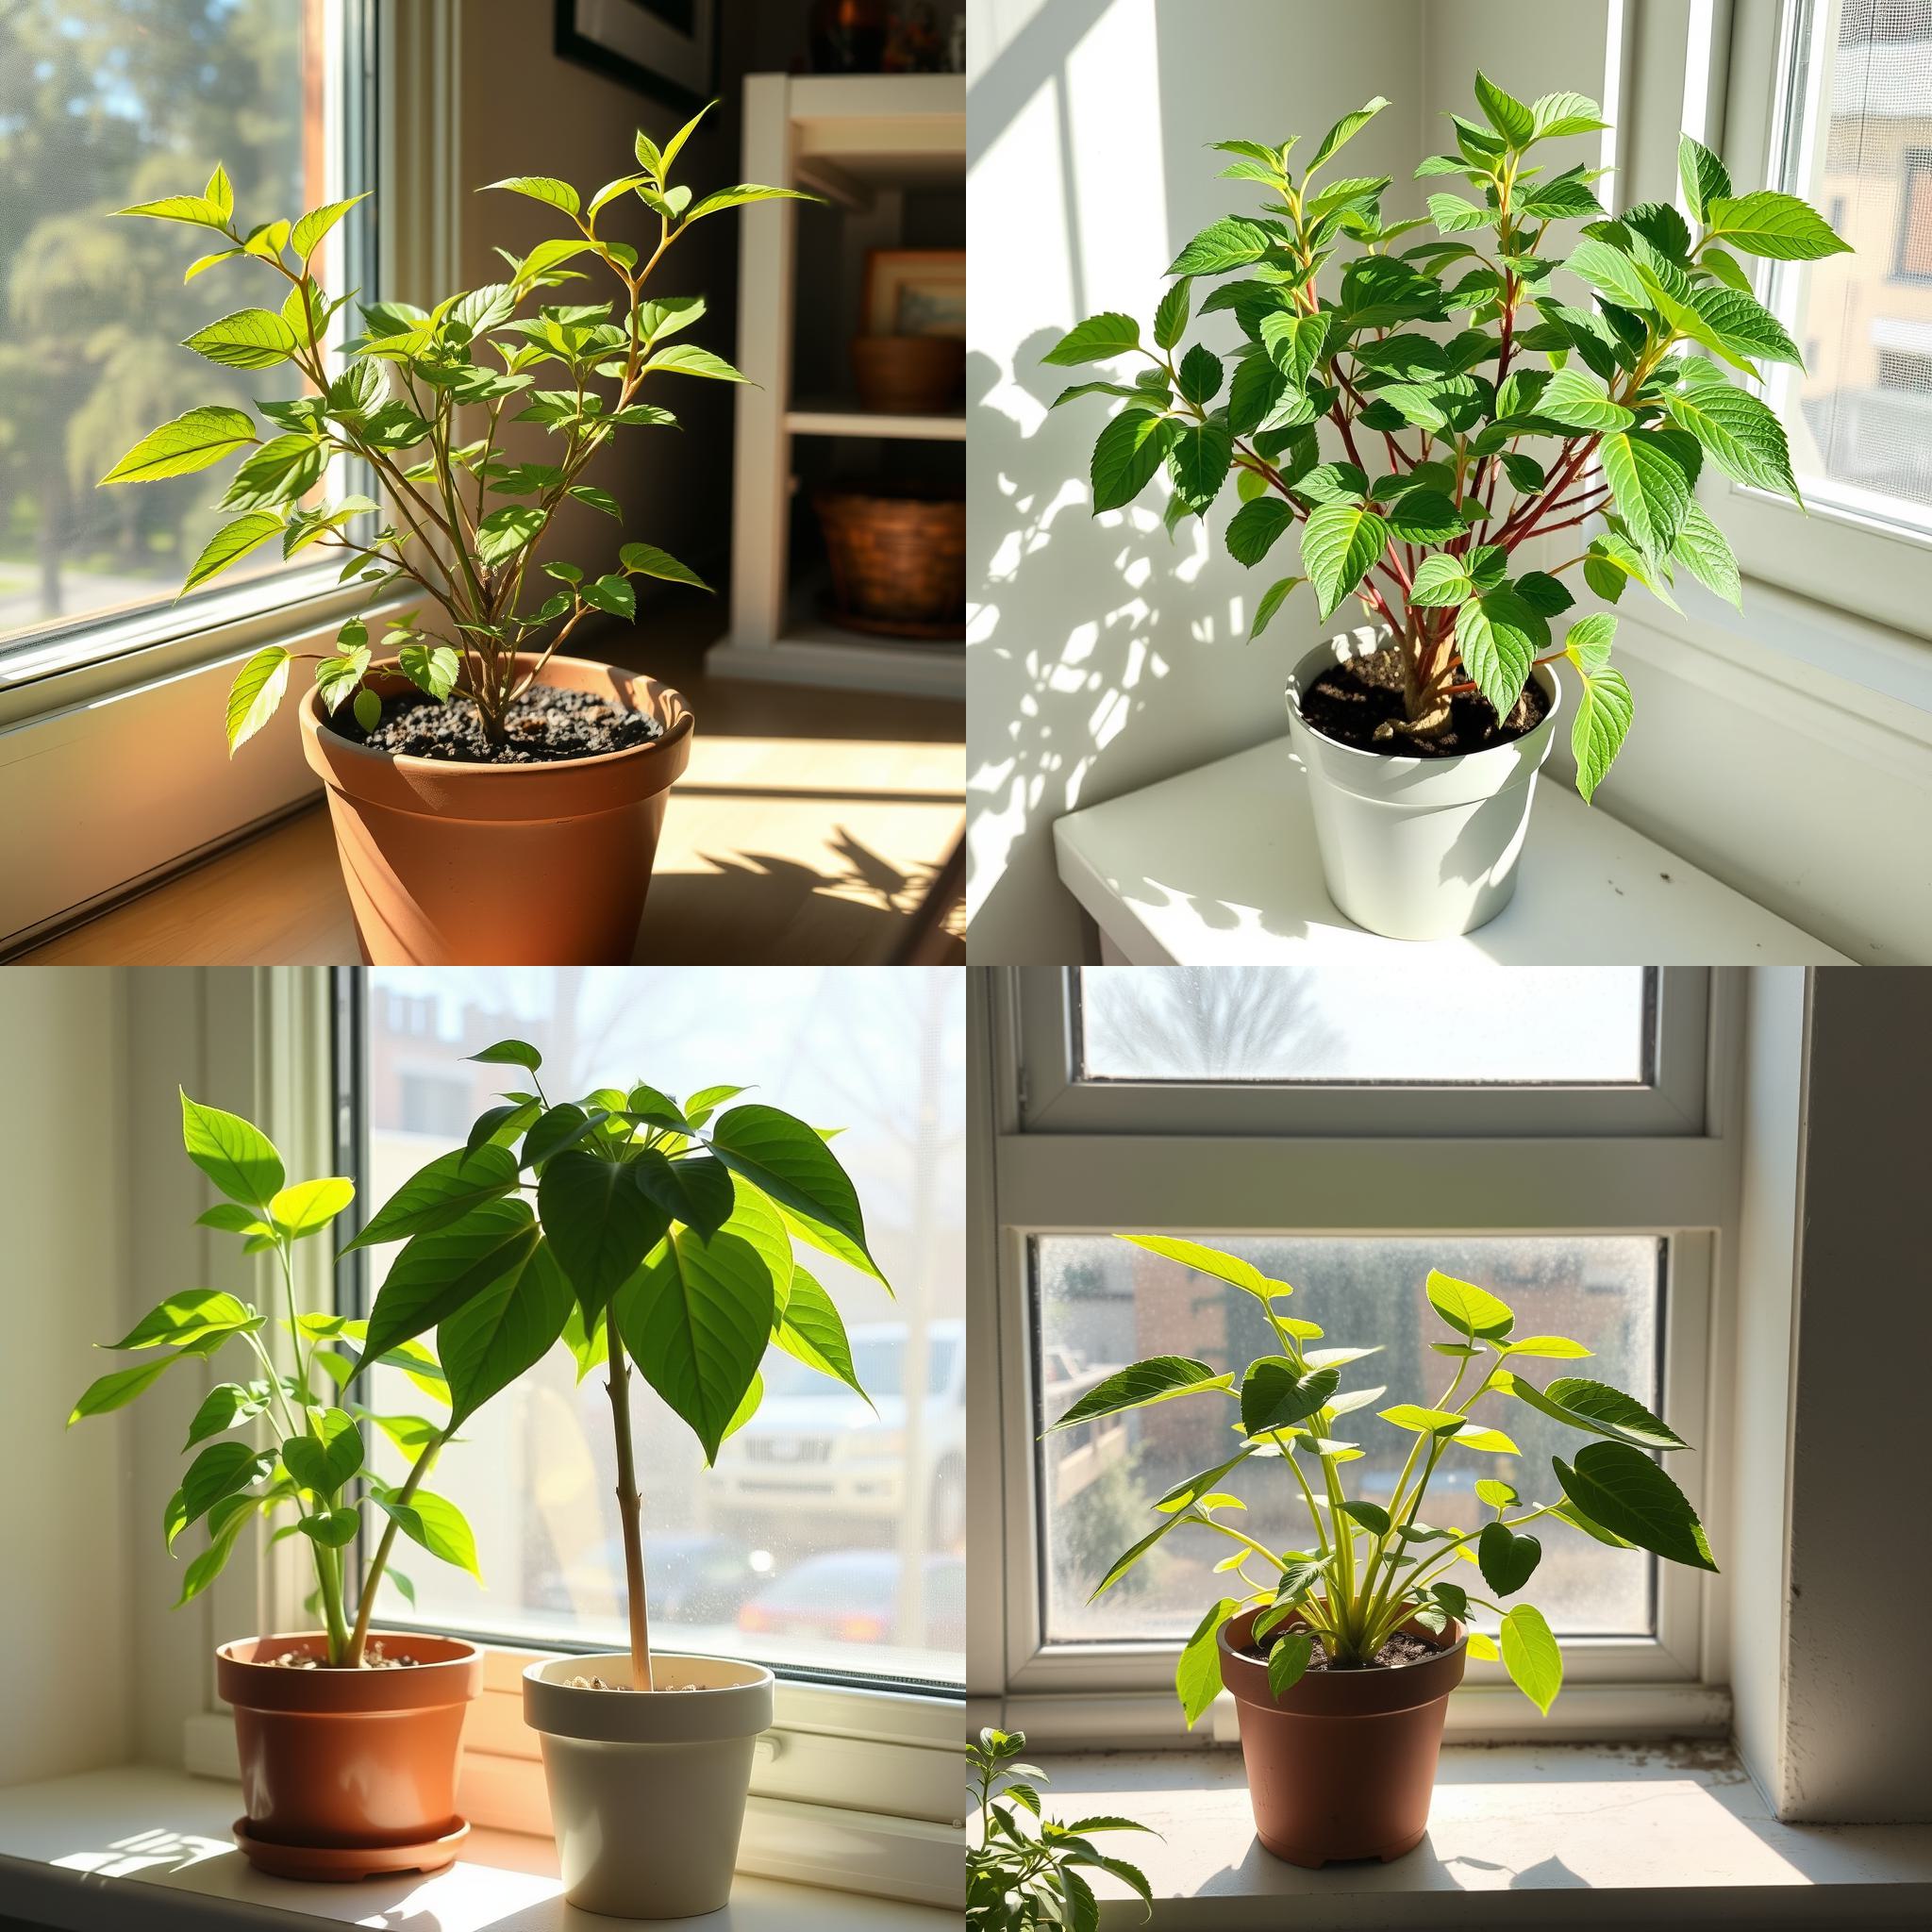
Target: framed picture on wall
[(915, 291), (665, 48)]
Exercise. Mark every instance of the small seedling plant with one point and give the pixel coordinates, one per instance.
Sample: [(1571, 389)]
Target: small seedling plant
[(1369, 1570), (421, 402), (1027, 1871), (312, 1471), (1473, 403), (636, 1230)]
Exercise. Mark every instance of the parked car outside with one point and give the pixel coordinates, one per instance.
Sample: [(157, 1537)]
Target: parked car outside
[(692, 1577), (851, 1596)]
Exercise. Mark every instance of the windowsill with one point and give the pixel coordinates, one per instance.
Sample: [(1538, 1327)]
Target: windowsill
[(1675, 1832), (144, 1850)]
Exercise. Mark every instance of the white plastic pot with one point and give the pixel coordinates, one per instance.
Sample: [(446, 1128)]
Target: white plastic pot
[(1417, 848), (647, 1793)]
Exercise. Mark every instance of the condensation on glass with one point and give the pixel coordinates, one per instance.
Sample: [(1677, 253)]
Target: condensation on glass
[(1856, 141), (109, 103), (1101, 1303), (1530, 1025), (828, 1536)]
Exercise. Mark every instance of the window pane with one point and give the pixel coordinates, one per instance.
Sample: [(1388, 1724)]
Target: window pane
[(1859, 147), (105, 102), (1103, 1303), (1530, 1025), (828, 1535)]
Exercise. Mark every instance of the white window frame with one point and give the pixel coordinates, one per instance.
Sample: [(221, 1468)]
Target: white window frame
[(1680, 1186), (1841, 554)]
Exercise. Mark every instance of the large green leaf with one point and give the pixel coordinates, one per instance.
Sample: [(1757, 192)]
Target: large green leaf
[(325, 1461), (309, 230), (1531, 1656), (488, 1341), (784, 1156), (1620, 1488), (1650, 473), (505, 531), (1704, 550), (1223, 1267), (445, 1267), (601, 1226), (1744, 435), (249, 339), (1254, 529), (1579, 401), (1294, 342), (1508, 1559), (1230, 243), (221, 1469), (188, 1315), (191, 441), (256, 694), (1277, 1394), (229, 545), (1198, 460), (1288, 1660), (1777, 226), (694, 1189), (1346, 129), (442, 1193), (1197, 1676), (233, 1153), (812, 1332), (309, 1207), (1612, 274), (1604, 711), (1339, 542), (1705, 177), (1157, 1380), (698, 1317), (1472, 1310), (1597, 1407), (437, 1523), (1498, 634), (1512, 119), (544, 187), (1131, 447), (1744, 327), (119, 1387)]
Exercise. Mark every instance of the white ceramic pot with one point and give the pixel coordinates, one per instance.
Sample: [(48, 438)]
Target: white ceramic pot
[(1417, 848), (647, 1793)]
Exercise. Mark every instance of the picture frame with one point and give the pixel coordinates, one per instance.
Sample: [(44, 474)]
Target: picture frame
[(914, 292), (667, 49)]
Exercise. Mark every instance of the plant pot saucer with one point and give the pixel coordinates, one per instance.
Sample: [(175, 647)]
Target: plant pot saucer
[(345, 1864)]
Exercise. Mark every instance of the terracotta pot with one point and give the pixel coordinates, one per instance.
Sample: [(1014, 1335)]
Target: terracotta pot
[(503, 865), (361, 1764), (647, 1793), (1342, 1766)]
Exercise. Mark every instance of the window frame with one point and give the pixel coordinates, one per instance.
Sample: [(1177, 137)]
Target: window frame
[(1918, 161), (1768, 131), (1051, 1098), (1678, 1185)]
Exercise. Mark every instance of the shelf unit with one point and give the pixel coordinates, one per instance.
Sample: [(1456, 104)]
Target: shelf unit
[(859, 141)]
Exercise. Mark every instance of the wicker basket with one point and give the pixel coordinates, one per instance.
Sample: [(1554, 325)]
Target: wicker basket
[(898, 561)]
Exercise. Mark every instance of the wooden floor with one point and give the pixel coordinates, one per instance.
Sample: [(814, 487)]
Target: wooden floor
[(809, 828)]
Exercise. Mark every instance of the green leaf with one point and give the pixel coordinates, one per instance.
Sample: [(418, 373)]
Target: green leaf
[(1295, 344), (488, 1341), (333, 1530), (443, 1268), (1254, 529), (698, 1317), (440, 1193), (1288, 1660), (1620, 1488), (1157, 1380), (1345, 130), (1199, 459), (1473, 1311), (223, 1469), (325, 1463), (694, 1190), (431, 668), (1097, 337), (611, 593), (1197, 1677), (1611, 273), (791, 1163), (1498, 634), (226, 1406), (249, 339), (1131, 447), (1201, 374), (1603, 715), (1744, 327), (234, 1155), (600, 1224), (196, 210), (1424, 516), (311, 1206), (686, 359), (1275, 1394), (229, 545), (1705, 177), (1599, 1408), (510, 1052), (1230, 243), (1223, 1267), (222, 1540), (338, 677), (1557, 1345), (1439, 583), (118, 1389), (1744, 437), (505, 531), (256, 694), (1512, 119), (647, 559), (1704, 551), (1271, 599), (1650, 473), (1453, 215), (1371, 1517), (1579, 401), (437, 1523), (1779, 226), (1170, 318), (191, 441), (813, 1333), (744, 192), (1531, 1656), (368, 709), (1339, 544), (1507, 1560), (317, 223), (544, 187)]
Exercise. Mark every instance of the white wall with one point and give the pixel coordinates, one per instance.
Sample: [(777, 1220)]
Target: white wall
[(66, 1613), (1102, 657)]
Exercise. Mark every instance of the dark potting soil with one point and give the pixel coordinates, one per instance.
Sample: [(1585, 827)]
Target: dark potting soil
[(546, 726), (1402, 1648), (1360, 704)]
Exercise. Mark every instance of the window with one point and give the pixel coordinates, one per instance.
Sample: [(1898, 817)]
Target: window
[(106, 104), (829, 1538), (1915, 216), (1557, 1135)]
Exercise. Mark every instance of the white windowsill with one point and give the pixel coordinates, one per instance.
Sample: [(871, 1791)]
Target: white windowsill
[(144, 1850), (1666, 1834)]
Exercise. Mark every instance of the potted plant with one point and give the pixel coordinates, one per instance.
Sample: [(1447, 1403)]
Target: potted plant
[(460, 749), (348, 1737), (1021, 1876), (661, 1235), (1341, 1656), (1473, 406)]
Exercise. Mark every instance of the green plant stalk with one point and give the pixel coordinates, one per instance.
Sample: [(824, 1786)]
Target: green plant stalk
[(358, 1638), (630, 1514)]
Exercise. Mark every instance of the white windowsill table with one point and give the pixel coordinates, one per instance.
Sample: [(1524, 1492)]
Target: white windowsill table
[(1660, 1835), (1218, 866), (146, 1850)]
